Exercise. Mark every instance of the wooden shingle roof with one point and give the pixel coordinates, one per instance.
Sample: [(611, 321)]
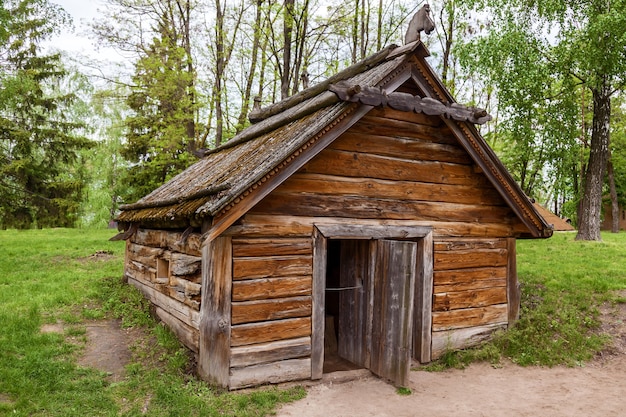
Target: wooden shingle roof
[(287, 134)]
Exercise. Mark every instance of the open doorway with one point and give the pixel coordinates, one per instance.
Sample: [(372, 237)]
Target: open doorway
[(346, 299), (372, 284)]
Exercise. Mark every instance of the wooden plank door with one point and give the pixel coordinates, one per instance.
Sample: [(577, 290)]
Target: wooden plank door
[(392, 310), (353, 301)]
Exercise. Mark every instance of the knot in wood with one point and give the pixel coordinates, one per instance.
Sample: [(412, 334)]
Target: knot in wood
[(222, 324)]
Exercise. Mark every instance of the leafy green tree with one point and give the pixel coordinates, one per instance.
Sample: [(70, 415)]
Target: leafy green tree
[(41, 181), (530, 44)]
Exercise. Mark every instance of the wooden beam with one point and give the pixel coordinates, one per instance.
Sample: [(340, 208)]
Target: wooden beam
[(422, 319), (215, 327), (319, 304), (513, 286)]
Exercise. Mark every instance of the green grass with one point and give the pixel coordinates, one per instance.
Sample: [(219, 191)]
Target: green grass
[(563, 282), (47, 276)]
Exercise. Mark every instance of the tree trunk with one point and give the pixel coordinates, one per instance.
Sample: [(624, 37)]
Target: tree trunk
[(285, 81), (614, 202), (589, 216), (219, 73)]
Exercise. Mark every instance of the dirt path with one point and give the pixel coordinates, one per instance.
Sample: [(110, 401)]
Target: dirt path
[(596, 390), (479, 390)]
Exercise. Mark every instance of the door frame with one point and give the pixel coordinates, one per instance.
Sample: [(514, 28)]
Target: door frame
[(422, 314)]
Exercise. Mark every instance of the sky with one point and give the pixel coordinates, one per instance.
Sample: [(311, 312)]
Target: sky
[(81, 11)]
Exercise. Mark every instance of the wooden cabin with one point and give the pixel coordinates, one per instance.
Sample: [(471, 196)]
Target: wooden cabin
[(364, 218)]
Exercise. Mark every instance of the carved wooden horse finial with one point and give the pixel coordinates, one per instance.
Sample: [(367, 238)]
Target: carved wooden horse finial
[(421, 22)]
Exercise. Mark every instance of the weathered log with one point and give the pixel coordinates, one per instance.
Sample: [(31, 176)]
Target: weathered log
[(317, 89), (273, 373), (268, 288), (273, 247), (461, 338), (185, 333), (274, 309), (265, 267), (470, 259), (469, 317), (181, 264), (248, 334), (243, 356), (482, 297)]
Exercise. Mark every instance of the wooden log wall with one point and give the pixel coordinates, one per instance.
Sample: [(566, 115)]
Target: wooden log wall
[(396, 166), (271, 310), (469, 291), (167, 269), (402, 168)]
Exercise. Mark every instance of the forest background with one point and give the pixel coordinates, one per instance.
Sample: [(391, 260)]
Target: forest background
[(80, 135)]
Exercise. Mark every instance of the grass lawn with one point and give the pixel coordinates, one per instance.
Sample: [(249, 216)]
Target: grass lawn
[(50, 276)]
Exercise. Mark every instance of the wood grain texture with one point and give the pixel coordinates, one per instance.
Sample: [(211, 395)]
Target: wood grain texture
[(265, 310), (259, 225), (271, 373), (470, 259), (354, 164), (242, 356), (248, 334), (461, 338), (389, 189), (422, 317), (271, 247), (188, 335), (375, 208), (447, 301), (215, 334), (318, 317), (268, 288), (470, 317), (513, 286), (269, 266)]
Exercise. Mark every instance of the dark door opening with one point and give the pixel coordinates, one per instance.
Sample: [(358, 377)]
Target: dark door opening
[(347, 296)]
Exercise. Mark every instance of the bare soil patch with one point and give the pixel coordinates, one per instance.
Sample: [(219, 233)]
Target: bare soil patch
[(597, 389)]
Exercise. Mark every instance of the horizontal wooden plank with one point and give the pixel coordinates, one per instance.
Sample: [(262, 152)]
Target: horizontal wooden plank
[(182, 264), (461, 338), (371, 208), (272, 373), (271, 247), (467, 244), (469, 278), (185, 333), (354, 164), (280, 266), (402, 147), (248, 334), (137, 251), (270, 352), (387, 189), (177, 309), (468, 299), (267, 288), (265, 310), (140, 271), (470, 259), (258, 225), (470, 317), (169, 240)]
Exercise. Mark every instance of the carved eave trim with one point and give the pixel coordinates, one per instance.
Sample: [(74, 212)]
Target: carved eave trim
[(509, 190), (374, 96)]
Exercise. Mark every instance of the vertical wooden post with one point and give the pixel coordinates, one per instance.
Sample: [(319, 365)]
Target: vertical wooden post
[(319, 301), (214, 347), (512, 285), (422, 324)]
